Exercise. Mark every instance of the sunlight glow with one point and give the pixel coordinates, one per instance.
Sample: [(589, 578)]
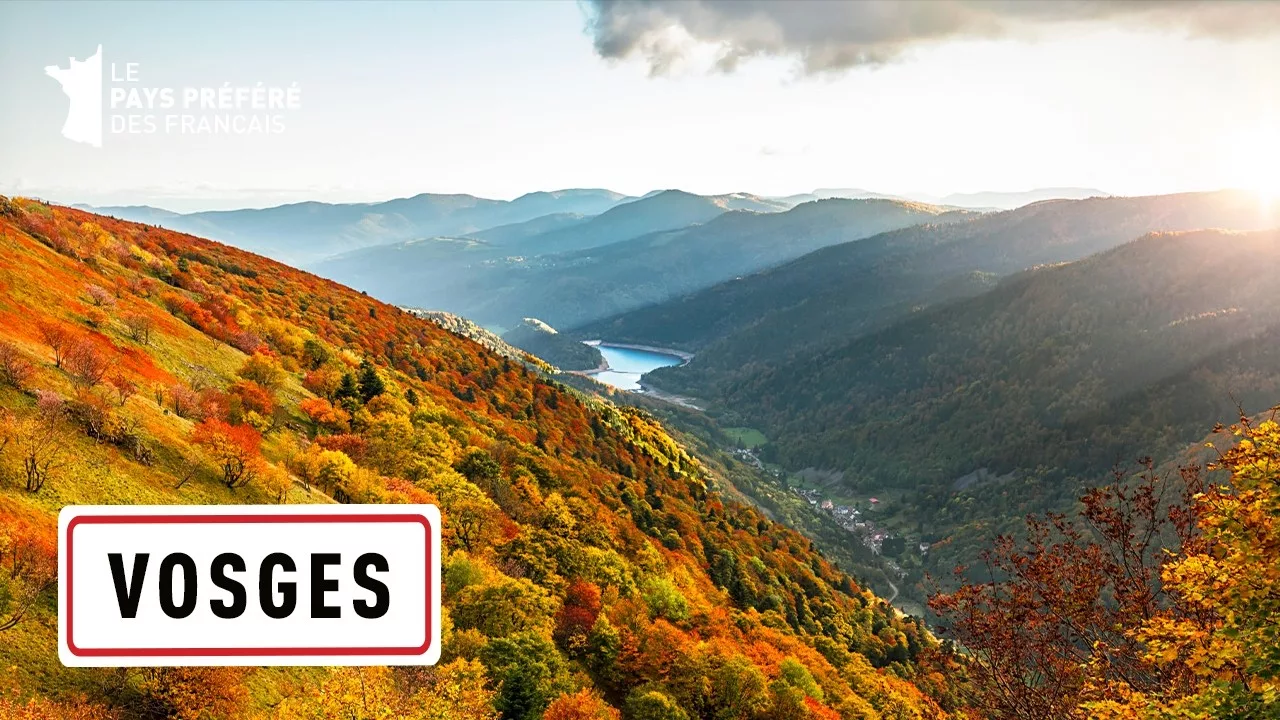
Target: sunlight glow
[(1256, 163)]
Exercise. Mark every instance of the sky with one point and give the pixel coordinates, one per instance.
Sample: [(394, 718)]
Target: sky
[(498, 99)]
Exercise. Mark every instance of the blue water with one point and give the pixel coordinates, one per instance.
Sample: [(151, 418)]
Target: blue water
[(627, 365)]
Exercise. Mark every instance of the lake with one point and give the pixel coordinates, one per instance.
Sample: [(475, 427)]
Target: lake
[(627, 365)]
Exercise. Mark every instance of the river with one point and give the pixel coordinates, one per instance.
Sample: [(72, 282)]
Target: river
[(626, 365)]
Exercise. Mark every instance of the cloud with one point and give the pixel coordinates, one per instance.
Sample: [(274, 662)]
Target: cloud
[(834, 35)]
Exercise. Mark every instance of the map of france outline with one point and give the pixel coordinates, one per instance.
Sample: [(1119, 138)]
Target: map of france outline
[(81, 82)]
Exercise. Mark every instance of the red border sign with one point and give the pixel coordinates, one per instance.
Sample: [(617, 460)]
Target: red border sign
[(209, 515)]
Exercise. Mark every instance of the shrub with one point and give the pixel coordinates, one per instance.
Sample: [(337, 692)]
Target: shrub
[(186, 402), (139, 326), (274, 480), (15, 369), (86, 363), (582, 705), (28, 568), (264, 370), (99, 296), (58, 337), (648, 704), (39, 441)]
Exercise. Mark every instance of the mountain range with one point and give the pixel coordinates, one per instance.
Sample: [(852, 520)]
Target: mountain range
[(645, 252), (985, 200), (304, 232), (842, 291)]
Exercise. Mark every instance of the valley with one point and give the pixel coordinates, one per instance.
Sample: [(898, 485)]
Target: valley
[(1083, 321)]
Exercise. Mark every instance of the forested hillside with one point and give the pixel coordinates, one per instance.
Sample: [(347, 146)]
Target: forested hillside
[(587, 566), (438, 259), (1028, 373), (534, 336), (974, 413), (576, 287), (486, 339), (666, 210), (509, 235)]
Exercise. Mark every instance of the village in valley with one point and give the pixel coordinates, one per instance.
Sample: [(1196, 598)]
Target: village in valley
[(857, 521)]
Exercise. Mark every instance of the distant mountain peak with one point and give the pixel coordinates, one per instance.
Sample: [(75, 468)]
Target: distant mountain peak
[(1010, 200), (569, 192)]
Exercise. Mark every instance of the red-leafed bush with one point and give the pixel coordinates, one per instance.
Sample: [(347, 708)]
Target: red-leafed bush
[(576, 616), (253, 397)]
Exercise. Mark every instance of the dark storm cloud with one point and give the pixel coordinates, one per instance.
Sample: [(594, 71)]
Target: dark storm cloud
[(828, 35)]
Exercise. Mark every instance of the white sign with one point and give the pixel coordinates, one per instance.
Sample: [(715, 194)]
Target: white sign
[(249, 585)]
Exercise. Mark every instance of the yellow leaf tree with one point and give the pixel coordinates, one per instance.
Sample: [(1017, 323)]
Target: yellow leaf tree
[(1232, 644)]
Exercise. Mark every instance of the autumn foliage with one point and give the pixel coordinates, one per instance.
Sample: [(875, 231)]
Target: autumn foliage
[(591, 569), (577, 615), (582, 705), (194, 693), (28, 566), (233, 448), (1159, 601)]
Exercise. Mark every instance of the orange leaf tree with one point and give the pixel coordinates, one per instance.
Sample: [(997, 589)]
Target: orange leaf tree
[(582, 705), (233, 448)]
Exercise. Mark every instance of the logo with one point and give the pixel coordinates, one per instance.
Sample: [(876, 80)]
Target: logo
[(177, 585), (133, 107), (81, 81)]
